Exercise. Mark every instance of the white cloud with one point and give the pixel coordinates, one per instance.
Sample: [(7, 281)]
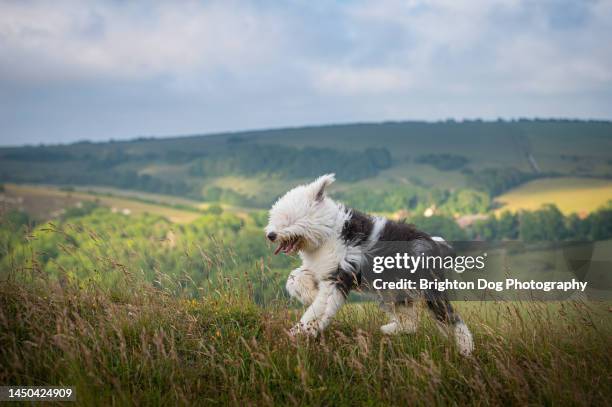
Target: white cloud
[(389, 45), (68, 40), (169, 67), (330, 79)]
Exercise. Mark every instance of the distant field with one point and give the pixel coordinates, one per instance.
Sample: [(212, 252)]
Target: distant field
[(571, 195), (139, 195), (46, 202)]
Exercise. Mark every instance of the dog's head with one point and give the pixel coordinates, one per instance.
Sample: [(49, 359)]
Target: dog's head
[(303, 218)]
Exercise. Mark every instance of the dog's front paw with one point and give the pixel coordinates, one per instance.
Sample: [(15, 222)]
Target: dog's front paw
[(391, 328), (301, 329)]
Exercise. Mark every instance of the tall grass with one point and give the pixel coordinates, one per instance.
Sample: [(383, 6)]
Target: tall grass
[(139, 343)]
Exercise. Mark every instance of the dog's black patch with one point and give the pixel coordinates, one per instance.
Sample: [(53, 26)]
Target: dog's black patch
[(357, 228), (356, 231), (401, 232), (346, 280)]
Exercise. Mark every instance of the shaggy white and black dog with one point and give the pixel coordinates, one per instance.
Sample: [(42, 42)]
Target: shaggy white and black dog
[(333, 242)]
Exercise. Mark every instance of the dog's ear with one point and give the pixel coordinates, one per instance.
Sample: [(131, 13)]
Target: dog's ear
[(320, 184)]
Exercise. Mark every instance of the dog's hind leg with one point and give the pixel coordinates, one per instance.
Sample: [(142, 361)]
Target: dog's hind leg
[(448, 319), (404, 317), (302, 286)]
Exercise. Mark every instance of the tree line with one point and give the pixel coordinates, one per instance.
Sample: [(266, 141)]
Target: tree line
[(547, 224)]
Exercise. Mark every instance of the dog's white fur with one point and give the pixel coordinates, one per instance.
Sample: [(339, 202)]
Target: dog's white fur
[(307, 213)]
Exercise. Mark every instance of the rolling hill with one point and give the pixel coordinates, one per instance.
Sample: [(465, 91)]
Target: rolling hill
[(409, 165)]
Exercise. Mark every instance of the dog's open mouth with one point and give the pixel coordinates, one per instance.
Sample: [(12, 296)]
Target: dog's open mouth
[(288, 246)]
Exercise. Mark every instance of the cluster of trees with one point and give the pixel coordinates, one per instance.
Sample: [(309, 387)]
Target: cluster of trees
[(117, 166), (443, 162), (119, 178), (545, 224), (290, 162), (105, 157), (36, 154), (496, 181), (440, 225), (417, 199), (111, 157), (148, 183)]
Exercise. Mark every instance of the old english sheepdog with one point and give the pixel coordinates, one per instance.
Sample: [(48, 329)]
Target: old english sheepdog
[(333, 242)]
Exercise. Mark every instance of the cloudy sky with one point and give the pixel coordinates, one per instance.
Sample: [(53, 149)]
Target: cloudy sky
[(73, 70)]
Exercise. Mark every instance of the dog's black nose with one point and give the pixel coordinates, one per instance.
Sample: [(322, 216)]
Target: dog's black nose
[(272, 236)]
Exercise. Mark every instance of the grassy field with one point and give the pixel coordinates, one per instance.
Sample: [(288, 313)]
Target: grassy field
[(143, 346), (88, 317), (571, 195), (44, 202)]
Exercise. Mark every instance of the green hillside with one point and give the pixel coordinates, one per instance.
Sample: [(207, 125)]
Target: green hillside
[(408, 165)]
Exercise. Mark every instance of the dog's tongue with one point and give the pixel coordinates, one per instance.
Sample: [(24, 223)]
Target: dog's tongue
[(285, 247), (289, 247)]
